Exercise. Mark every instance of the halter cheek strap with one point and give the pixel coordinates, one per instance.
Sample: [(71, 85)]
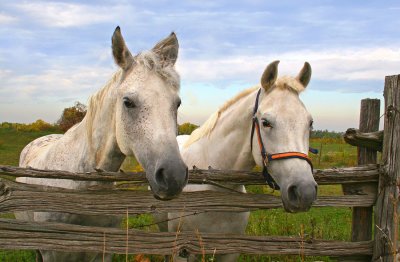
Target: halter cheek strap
[(267, 158)]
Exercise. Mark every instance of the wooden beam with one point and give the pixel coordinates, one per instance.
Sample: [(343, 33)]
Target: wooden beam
[(348, 175), (25, 197), (386, 217), (17, 234), (362, 216), (371, 140)]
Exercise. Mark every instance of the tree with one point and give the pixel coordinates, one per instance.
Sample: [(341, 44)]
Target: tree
[(186, 128), (71, 116)]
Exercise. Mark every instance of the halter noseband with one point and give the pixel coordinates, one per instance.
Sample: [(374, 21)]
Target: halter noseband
[(267, 158)]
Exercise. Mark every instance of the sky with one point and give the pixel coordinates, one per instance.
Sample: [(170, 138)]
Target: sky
[(53, 53)]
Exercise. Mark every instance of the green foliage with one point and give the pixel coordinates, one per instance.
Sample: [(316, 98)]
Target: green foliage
[(186, 128), (71, 116), (333, 152), (17, 256), (13, 143), (38, 125), (325, 134)]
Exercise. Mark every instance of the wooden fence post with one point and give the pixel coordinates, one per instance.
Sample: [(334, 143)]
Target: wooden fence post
[(386, 227), (362, 216)]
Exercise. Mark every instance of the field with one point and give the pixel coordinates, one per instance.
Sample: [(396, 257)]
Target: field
[(327, 223)]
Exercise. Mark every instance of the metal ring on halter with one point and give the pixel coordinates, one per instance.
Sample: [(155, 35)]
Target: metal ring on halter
[(265, 161)]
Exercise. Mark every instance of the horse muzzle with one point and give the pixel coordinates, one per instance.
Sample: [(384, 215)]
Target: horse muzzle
[(169, 179), (299, 197)]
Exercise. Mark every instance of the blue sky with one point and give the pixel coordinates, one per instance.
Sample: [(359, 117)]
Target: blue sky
[(53, 53)]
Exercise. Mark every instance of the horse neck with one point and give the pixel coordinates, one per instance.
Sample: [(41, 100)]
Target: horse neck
[(228, 145), (97, 134)]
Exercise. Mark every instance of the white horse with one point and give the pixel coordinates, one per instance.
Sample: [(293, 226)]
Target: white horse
[(223, 142), (135, 113)]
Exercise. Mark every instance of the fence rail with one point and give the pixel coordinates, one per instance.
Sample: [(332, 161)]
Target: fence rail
[(56, 236), (347, 175), (19, 197)]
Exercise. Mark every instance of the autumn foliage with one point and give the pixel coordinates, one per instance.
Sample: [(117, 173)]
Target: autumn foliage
[(71, 116), (186, 128)]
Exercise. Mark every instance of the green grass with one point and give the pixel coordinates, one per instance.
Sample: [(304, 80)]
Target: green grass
[(12, 142), (326, 223)]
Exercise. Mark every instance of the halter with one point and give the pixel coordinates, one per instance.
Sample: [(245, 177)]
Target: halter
[(267, 158)]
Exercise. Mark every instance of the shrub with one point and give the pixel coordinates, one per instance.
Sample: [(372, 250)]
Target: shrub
[(38, 125), (186, 128), (71, 116)]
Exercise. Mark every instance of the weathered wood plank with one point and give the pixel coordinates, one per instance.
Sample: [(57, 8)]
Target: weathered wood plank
[(371, 140), (386, 216), (349, 175), (23, 197), (16, 234), (369, 121)]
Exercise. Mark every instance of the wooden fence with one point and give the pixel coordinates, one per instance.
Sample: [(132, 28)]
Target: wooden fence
[(371, 189)]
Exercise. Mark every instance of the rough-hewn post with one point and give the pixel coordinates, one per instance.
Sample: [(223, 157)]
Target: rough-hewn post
[(362, 216), (385, 247), (369, 122)]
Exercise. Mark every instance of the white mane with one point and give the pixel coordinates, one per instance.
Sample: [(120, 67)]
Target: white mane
[(284, 82)]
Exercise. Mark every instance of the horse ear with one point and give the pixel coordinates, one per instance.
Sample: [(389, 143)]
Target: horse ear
[(167, 50), (270, 74), (122, 56), (305, 74)]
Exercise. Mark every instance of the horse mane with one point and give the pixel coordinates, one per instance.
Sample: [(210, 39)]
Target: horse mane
[(208, 126), (284, 82)]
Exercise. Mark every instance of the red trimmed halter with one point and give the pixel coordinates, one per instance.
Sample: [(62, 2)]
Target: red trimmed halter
[(267, 158)]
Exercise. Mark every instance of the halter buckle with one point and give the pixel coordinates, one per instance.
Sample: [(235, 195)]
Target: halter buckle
[(265, 161)]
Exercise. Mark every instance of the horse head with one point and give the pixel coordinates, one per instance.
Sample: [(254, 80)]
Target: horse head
[(147, 101), (283, 126)]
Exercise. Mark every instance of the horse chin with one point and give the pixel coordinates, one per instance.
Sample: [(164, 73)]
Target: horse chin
[(164, 198), (295, 209)]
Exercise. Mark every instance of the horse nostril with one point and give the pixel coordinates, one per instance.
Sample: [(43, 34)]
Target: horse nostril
[(292, 193), (160, 177)]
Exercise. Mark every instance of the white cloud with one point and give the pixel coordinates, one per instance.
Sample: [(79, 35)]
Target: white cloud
[(69, 15), (343, 65), (7, 19), (53, 84)]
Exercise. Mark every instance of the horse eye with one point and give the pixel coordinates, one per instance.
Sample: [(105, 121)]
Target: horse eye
[(266, 123), (311, 124), (179, 103), (128, 103)]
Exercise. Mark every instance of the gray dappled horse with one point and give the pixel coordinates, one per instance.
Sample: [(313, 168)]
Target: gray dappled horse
[(135, 113)]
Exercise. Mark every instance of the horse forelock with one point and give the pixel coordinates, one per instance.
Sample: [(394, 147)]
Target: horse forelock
[(150, 61), (291, 83)]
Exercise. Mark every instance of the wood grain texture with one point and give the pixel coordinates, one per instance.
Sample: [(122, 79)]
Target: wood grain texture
[(371, 140), (23, 197), (348, 175), (16, 234), (386, 217), (366, 154)]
